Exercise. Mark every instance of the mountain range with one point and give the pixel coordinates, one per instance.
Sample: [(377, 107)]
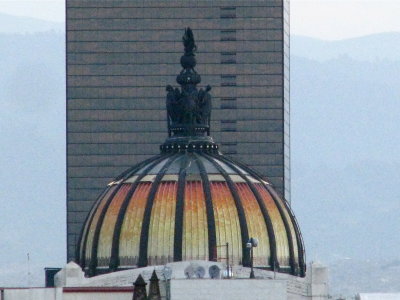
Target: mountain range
[(374, 47)]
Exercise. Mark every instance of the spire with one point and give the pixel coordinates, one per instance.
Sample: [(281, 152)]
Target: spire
[(139, 292), (154, 289), (188, 108)]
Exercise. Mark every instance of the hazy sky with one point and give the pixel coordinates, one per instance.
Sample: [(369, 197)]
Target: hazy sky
[(325, 19), (338, 19)]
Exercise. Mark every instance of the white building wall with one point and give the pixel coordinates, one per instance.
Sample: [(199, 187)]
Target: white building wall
[(319, 281), (228, 289), (59, 294), (97, 296), (378, 296), (32, 294), (72, 285)]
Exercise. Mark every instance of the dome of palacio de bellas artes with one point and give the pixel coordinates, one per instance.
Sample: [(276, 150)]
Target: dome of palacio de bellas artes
[(184, 203)]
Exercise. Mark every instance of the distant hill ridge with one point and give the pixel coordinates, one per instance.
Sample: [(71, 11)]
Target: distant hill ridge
[(382, 46), (10, 24)]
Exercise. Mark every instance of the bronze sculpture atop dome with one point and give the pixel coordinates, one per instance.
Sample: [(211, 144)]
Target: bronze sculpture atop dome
[(188, 108)]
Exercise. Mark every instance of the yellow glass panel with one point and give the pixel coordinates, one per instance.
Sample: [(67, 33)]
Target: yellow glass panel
[(288, 216), (256, 225), (93, 225), (108, 226), (86, 226), (195, 229), (162, 224), (132, 225), (226, 222), (281, 236)]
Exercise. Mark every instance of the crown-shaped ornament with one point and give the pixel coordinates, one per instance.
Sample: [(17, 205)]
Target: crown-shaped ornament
[(188, 108)]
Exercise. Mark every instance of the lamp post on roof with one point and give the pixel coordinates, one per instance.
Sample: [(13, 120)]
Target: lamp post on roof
[(253, 242)]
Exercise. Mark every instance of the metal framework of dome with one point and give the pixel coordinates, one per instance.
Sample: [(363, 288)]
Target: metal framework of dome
[(186, 202)]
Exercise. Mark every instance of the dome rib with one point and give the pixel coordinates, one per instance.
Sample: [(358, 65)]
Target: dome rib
[(244, 231), (144, 235), (212, 235), (89, 217), (179, 209), (94, 259), (135, 168), (274, 263), (296, 269), (83, 238), (299, 240), (114, 261)]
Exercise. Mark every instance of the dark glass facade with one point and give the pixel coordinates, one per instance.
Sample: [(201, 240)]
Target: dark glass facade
[(122, 54)]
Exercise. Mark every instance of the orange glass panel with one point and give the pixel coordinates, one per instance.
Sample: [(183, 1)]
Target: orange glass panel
[(93, 225), (195, 229), (256, 224), (132, 225), (86, 226), (226, 222), (108, 226), (162, 224), (281, 237)]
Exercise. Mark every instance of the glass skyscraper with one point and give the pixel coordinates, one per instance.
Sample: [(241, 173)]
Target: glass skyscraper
[(120, 56)]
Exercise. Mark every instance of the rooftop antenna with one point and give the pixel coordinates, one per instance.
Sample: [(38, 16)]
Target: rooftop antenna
[(29, 270)]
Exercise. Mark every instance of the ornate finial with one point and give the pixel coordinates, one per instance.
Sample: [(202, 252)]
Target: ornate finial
[(188, 108), (154, 289), (139, 292), (188, 61), (188, 42)]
